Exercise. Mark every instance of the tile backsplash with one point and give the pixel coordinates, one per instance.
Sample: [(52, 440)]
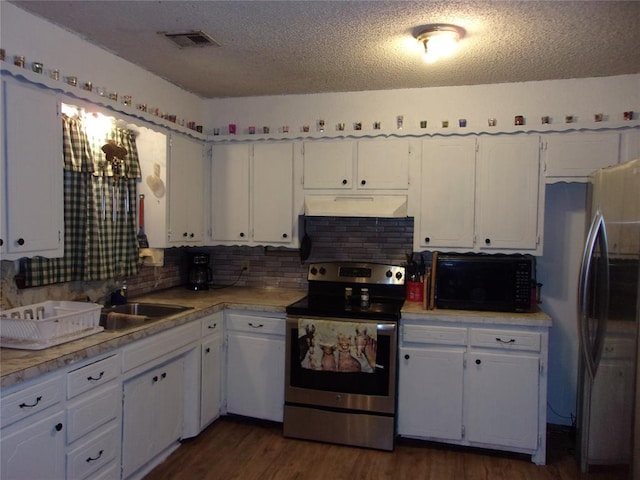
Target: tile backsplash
[(384, 240)]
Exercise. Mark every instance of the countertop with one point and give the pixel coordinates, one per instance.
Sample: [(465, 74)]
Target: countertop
[(20, 365), (414, 311)]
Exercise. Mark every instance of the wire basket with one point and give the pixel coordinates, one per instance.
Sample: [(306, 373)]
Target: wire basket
[(42, 325)]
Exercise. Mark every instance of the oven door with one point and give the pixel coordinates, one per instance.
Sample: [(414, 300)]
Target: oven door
[(366, 392)]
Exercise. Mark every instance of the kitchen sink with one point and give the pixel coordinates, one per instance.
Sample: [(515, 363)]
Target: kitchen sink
[(130, 315)]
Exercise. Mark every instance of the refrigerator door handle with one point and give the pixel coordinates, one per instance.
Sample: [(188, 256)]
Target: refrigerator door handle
[(592, 352)]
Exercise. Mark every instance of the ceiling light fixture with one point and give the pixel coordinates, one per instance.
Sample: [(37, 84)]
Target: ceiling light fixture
[(439, 40)]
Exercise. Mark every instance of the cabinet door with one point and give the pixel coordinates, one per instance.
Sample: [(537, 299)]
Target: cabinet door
[(36, 451), (272, 193), (230, 193), (383, 164), (501, 399), (328, 164), (255, 376), (210, 385), (152, 414), (448, 192), (33, 173), (430, 393), (508, 193), (575, 156), (186, 188)]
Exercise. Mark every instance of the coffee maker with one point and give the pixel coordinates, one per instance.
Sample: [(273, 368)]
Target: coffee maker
[(199, 272)]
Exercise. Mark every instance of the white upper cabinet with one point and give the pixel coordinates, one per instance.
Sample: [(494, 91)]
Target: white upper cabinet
[(252, 194), (481, 194), (383, 164), (328, 164), (510, 194), (33, 173), (574, 156), (186, 191), (378, 164), (272, 193), (448, 192), (230, 193), (173, 183)]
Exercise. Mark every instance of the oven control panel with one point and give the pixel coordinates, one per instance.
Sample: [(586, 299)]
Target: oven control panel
[(357, 272)]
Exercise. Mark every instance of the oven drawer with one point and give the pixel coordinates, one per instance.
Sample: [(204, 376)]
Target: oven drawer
[(434, 335), (255, 324), (505, 339)]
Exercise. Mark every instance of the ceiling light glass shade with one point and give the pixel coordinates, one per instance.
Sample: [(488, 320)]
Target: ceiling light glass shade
[(439, 41)]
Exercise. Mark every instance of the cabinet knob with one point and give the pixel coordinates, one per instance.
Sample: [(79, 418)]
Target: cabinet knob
[(164, 375), (363, 182), (185, 234), (407, 356), (20, 241), (344, 181), (155, 378), (487, 241), (58, 427), (192, 235), (1, 242), (478, 361), (284, 235), (427, 239), (241, 234), (207, 350)]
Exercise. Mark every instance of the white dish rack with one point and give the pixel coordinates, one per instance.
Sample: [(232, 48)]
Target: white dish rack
[(43, 325)]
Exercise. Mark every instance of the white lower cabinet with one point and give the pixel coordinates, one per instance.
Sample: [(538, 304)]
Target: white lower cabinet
[(35, 451), (474, 386), (502, 400), (211, 368), (152, 414), (255, 365), (440, 392)]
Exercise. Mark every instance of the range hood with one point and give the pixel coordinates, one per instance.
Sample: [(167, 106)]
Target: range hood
[(386, 206)]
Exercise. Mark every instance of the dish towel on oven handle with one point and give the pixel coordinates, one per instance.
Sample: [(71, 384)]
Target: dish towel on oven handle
[(337, 346)]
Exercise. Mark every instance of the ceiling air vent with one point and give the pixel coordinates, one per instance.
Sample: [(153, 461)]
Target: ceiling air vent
[(191, 39)]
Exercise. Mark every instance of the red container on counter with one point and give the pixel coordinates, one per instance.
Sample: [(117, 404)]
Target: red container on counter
[(415, 291)]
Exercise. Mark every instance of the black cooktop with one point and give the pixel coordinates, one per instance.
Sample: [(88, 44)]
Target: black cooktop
[(335, 307)]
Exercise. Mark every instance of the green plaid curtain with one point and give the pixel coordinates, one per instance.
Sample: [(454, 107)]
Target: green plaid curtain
[(99, 212)]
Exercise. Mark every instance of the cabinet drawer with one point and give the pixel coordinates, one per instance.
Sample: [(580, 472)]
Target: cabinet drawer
[(436, 335), (90, 376), (151, 348), (92, 455), (30, 400), (212, 324), (255, 324), (96, 409), (505, 339)]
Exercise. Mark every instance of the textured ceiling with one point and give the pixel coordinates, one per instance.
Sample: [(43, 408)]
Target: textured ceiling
[(297, 47)]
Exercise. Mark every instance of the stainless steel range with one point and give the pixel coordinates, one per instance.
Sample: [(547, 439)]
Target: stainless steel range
[(341, 370)]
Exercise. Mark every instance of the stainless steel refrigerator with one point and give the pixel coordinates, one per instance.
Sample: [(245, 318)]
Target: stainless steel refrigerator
[(608, 427)]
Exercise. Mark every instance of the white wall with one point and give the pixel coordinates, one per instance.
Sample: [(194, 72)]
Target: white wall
[(22, 33), (557, 269), (581, 98)]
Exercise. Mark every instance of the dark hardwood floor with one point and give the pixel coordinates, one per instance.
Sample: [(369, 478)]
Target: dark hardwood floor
[(243, 449)]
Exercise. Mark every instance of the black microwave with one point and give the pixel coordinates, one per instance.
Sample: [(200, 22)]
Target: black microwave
[(497, 283)]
